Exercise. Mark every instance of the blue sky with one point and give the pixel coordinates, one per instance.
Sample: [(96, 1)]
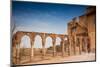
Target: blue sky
[(40, 17), (44, 17)]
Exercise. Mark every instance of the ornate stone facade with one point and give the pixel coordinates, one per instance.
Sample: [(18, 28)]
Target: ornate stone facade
[(81, 30)]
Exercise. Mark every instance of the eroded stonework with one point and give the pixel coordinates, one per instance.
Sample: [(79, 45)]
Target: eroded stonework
[(80, 38)]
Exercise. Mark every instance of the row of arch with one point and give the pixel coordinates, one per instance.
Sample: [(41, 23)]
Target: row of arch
[(25, 42), (18, 37)]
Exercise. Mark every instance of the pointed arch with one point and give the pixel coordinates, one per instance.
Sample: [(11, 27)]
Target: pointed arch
[(58, 40), (25, 42), (38, 42), (48, 42), (58, 45)]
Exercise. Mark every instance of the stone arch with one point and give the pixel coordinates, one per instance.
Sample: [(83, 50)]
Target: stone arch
[(37, 45), (38, 41), (25, 46), (58, 45), (49, 45), (58, 40), (20, 34), (66, 41), (25, 42), (48, 42), (65, 38), (66, 45)]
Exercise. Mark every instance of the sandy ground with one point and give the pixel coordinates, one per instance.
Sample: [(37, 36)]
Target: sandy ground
[(60, 59)]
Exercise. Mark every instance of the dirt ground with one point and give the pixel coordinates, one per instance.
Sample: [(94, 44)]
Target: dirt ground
[(60, 59)]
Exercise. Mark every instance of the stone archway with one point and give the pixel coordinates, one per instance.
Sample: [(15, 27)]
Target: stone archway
[(38, 41), (58, 40), (48, 42), (58, 46), (41, 46), (25, 46), (48, 46), (66, 46), (37, 47), (25, 42)]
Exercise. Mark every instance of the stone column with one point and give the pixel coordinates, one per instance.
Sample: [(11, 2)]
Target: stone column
[(88, 45), (43, 47), (32, 50), (85, 44), (74, 44), (54, 47), (63, 51), (18, 53), (65, 46), (80, 46), (70, 49)]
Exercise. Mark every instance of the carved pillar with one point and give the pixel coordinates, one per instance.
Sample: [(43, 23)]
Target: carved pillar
[(32, 50), (54, 47)]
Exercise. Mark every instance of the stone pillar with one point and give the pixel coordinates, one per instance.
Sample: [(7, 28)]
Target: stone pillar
[(18, 53), (70, 49), (80, 46), (54, 47), (74, 44), (63, 51), (85, 44), (32, 50), (65, 44), (88, 45), (43, 47)]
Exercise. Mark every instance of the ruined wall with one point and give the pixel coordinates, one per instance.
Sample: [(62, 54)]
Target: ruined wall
[(84, 27), (91, 20)]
